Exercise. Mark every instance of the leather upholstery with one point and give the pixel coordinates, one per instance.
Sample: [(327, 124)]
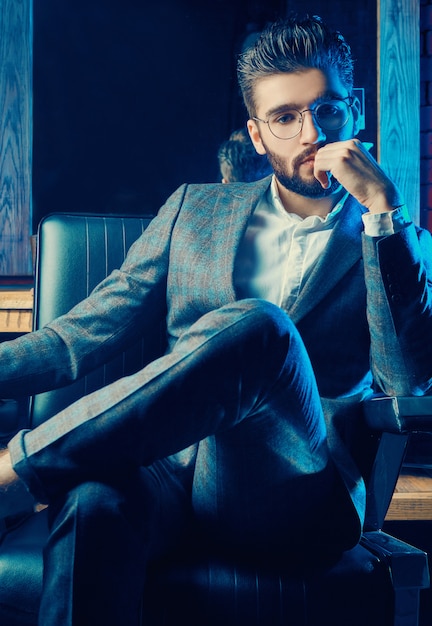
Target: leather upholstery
[(355, 590), (21, 571), (85, 248)]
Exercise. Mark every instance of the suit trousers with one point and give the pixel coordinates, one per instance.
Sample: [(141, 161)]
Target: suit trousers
[(123, 477)]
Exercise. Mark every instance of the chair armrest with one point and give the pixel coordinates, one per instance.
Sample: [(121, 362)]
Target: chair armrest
[(399, 414), (409, 573), (408, 565), (394, 419)]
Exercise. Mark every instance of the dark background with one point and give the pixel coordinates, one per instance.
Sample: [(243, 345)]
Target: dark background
[(131, 98)]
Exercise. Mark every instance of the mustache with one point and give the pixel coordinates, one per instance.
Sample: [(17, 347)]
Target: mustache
[(305, 155)]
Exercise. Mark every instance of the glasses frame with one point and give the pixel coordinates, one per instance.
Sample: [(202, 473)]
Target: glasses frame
[(313, 112)]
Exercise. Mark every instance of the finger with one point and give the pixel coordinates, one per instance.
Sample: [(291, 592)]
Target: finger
[(322, 172), (323, 178), (326, 184)]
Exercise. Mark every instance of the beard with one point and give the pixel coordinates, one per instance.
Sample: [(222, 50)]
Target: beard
[(311, 188)]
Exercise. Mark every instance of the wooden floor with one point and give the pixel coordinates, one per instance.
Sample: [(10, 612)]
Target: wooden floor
[(412, 499)]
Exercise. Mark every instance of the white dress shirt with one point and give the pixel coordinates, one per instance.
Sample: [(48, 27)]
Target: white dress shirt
[(280, 249)]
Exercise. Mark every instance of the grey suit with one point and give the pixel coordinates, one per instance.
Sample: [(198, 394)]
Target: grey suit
[(236, 378)]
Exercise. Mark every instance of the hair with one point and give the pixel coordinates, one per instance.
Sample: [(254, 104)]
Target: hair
[(293, 45), (239, 161)]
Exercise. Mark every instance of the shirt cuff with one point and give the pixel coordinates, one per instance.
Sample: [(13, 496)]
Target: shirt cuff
[(388, 223)]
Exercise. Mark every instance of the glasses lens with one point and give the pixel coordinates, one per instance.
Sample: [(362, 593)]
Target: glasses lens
[(286, 125), (332, 115)]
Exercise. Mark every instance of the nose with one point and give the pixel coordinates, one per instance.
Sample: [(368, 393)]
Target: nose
[(311, 131)]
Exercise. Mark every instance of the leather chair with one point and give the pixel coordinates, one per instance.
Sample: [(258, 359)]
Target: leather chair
[(377, 583)]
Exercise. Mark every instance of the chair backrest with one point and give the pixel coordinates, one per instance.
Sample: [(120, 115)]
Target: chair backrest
[(75, 251)]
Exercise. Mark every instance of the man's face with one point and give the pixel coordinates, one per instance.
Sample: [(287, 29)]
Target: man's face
[(293, 159)]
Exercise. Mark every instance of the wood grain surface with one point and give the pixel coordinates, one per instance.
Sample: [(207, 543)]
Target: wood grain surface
[(399, 96), (412, 499), (15, 137)]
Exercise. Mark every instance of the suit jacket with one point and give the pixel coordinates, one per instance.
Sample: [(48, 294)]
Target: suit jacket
[(364, 313)]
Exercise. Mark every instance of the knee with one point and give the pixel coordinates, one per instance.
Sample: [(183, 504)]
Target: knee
[(255, 314), (274, 338), (266, 320), (264, 311), (250, 334)]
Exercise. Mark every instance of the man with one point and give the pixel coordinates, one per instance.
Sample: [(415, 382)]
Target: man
[(273, 296), (239, 161)]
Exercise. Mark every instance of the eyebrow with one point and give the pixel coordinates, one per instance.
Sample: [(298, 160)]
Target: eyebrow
[(326, 95)]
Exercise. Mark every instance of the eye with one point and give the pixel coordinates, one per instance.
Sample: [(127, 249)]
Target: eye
[(287, 117), (330, 109)]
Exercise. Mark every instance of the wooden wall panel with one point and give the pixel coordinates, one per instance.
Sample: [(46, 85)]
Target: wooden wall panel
[(399, 96), (15, 137)]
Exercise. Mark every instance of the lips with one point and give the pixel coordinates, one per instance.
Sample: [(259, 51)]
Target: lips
[(308, 161), (306, 158)]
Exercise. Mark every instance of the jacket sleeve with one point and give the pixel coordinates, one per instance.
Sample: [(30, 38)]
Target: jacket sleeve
[(398, 273), (118, 310)]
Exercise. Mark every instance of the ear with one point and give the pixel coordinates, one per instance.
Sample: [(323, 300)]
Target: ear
[(356, 111), (255, 136)]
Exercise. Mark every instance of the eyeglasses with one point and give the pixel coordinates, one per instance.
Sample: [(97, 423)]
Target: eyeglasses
[(329, 115)]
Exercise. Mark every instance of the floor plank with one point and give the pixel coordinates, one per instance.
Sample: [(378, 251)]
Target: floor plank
[(412, 499)]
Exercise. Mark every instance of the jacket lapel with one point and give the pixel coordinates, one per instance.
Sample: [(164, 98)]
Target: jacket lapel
[(342, 252), (233, 207)]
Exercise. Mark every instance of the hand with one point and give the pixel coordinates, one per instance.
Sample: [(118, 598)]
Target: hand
[(358, 172), (8, 476), (14, 497)]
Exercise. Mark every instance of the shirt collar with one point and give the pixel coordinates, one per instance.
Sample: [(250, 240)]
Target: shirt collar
[(312, 220)]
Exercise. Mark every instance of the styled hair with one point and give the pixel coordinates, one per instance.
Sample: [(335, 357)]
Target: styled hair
[(239, 161), (293, 45)]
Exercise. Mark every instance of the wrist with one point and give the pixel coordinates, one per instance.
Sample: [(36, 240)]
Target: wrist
[(387, 201)]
